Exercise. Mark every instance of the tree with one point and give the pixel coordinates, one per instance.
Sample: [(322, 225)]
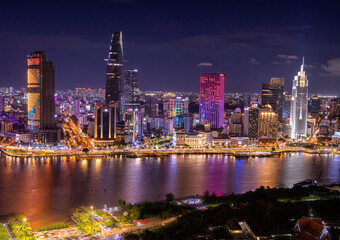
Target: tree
[(121, 203), (135, 212), (169, 198), (206, 196)]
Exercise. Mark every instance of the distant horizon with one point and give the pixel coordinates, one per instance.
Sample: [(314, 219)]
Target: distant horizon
[(172, 42), (168, 91)]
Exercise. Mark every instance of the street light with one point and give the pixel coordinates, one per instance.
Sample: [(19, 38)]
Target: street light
[(25, 227), (91, 219)]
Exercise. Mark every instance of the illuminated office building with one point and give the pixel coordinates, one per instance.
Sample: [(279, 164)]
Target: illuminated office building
[(176, 106), (267, 124), (41, 102), (151, 105), (132, 126), (299, 105), (253, 122), (314, 106), (334, 107), (105, 121), (114, 73), (212, 99), (131, 90), (272, 94)]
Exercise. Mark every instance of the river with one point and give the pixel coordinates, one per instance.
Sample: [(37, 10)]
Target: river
[(46, 190)]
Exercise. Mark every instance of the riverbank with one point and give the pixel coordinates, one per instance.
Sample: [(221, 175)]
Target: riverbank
[(263, 211), (156, 153), (156, 216), (63, 183)]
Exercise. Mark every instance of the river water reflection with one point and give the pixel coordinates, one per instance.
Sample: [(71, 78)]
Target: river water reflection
[(45, 190)]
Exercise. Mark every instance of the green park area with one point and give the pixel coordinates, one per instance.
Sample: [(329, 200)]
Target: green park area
[(91, 221), (145, 210), (20, 228), (86, 220), (263, 206), (3, 232), (53, 227)]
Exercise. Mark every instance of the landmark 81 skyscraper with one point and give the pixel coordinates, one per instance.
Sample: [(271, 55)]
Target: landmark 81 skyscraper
[(212, 99), (114, 72), (299, 105)]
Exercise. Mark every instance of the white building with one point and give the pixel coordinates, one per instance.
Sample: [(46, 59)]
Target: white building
[(299, 105)]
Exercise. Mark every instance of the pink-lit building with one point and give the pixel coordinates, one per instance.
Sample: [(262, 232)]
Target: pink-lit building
[(212, 99)]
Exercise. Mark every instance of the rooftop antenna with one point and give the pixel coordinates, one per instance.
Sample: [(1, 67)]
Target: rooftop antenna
[(303, 63)]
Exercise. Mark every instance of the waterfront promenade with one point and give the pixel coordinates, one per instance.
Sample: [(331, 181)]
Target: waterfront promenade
[(132, 152)]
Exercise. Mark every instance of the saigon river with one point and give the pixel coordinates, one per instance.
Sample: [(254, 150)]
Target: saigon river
[(47, 189)]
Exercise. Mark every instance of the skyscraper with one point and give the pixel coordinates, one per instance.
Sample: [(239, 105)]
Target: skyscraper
[(41, 104), (131, 90), (105, 122), (212, 99), (314, 106), (299, 105), (114, 73), (272, 94), (151, 106), (334, 107), (253, 123), (267, 124)]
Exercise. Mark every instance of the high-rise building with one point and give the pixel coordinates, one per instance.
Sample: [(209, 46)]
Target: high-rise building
[(212, 99), (267, 124), (299, 105), (253, 123), (176, 106), (235, 127), (105, 121), (286, 105), (114, 73), (76, 107), (151, 106), (245, 121), (132, 124), (41, 102), (314, 106), (41, 88), (334, 107), (272, 94), (131, 90)]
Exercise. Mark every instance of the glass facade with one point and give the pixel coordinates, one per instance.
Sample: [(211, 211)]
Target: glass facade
[(105, 121), (41, 88), (212, 99), (299, 105), (114, 72)]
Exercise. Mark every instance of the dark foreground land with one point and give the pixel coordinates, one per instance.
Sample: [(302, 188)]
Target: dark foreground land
[(272, 212)]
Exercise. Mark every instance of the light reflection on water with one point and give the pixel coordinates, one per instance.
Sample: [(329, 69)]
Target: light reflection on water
[(46, 189)]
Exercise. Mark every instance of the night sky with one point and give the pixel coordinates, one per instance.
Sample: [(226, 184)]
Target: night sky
[(172, 42)]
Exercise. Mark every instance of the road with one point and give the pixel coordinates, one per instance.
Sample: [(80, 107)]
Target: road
[(156, 222), (76, 138)]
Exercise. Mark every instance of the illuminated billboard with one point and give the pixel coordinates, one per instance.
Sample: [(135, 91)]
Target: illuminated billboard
[(33, 106), (33, 76), (33, 61)]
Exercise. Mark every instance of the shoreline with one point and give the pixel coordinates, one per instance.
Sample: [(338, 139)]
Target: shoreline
[(68, 217), (160, 153)]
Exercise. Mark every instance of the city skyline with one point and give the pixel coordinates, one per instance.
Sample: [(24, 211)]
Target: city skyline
[(173, 54), (207, 120)]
